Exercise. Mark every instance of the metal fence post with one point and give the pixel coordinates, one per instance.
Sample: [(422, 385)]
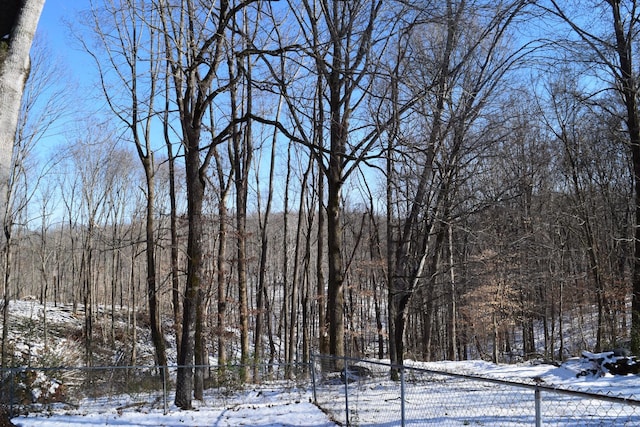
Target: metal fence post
[(402, 396), (538, 411)]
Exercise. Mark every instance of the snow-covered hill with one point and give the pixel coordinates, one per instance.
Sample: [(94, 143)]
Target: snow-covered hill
[(53, 337)]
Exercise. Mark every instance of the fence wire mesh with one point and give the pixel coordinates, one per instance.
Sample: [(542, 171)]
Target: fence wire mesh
[(353, 392), (25, 390), (360, 393)]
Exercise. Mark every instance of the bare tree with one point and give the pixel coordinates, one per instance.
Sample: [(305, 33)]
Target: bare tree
[(461, 75), (224, 185), (17, 30), (45, 102), (130, 43), (96, 163), (42, 106), (341, 38), (241, 97), (611, 49), (195, 42), (262, 301)]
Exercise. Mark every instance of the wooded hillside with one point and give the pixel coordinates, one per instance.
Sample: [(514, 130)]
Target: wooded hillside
[(434, 180)]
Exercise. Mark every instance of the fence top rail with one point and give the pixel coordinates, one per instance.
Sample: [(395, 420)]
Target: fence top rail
[(133, 367), (534, 385)]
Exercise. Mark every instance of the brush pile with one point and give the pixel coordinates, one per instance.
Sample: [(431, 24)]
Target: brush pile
[(614, 362)]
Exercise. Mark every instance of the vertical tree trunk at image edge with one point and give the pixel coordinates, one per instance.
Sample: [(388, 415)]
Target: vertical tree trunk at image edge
[(21, 23), (18, 23)]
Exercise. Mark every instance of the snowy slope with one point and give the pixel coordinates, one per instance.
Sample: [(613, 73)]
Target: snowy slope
[(285, 404)]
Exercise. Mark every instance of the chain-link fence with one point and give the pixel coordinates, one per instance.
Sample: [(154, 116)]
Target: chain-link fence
[(358, 392), (29, 390), (352, 391)]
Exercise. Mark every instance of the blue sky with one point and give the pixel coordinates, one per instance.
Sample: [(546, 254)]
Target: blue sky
[(55, 30)]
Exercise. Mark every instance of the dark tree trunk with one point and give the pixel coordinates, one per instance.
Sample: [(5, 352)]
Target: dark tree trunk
[(154, 316), (338, 135), (335, 291), (323, 339), (173, 225), (195, 195)]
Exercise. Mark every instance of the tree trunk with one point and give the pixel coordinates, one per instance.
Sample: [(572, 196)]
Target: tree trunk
[(241, 223), (14, 71), (222, 288), (323, 339), (402, 279), (195, 196), (338, 133), (187, 42), (260, 292), (6, 258), (242, 153), (221, 272), (264, 251), (154, 316), (199, 347), (392, 308), (335, 291), (19, 22), (284, 318), (132, 306), (173, 225), (451, 347)]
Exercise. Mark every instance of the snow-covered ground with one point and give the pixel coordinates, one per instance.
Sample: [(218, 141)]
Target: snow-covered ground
[(431, 399), (434, 399), (264, 406), (272, 404)]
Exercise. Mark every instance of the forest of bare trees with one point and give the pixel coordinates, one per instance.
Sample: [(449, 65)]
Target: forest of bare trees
[(435, 180)]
